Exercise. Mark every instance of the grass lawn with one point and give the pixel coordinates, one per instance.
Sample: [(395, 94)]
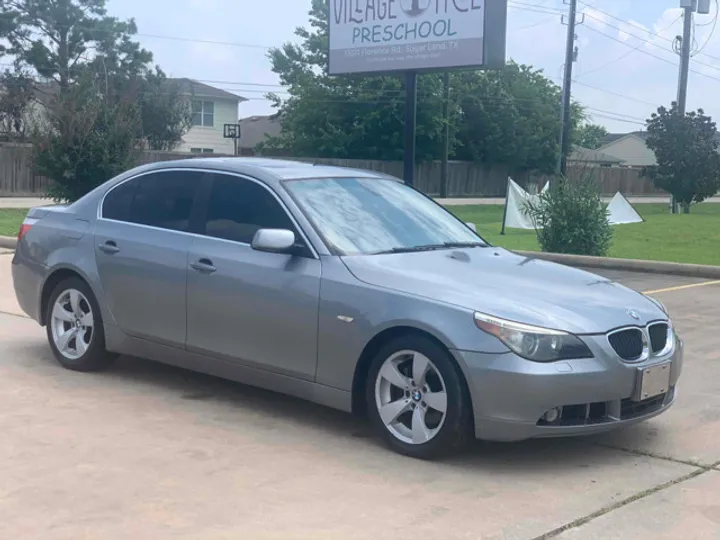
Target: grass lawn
[(692, 238), (10, 220)]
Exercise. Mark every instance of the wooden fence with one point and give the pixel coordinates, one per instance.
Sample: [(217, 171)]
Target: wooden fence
[(465, 179), (17, 176)]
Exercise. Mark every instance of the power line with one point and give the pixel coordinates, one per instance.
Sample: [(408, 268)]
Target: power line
[(387, 93), (610, 92), (628, 116), (656, 56), (611, 62), (637, 27), (525, 5), (206, 41), (649, 42), (606, 117)]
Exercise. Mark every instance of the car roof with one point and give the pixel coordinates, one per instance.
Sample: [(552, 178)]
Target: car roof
[(277, 169)]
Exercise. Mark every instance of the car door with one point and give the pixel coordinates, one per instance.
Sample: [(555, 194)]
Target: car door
[(247, 306), (141, 249)]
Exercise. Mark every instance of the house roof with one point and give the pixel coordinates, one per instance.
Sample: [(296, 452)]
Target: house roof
[(255, 129), (190, 86), (43, 92), (589, 155), (612, 137)]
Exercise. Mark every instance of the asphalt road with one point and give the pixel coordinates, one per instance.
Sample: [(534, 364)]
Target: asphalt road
[(148, 451)]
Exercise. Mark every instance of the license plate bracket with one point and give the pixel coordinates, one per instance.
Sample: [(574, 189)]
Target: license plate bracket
[(652, 381)]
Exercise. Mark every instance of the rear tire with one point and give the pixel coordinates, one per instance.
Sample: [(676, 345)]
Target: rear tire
[(411, 380), (75, 328)]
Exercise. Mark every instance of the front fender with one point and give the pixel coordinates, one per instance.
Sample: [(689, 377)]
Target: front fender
[(352, 313)]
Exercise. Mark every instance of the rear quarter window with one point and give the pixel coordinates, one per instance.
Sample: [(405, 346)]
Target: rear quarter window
[(118, 202)]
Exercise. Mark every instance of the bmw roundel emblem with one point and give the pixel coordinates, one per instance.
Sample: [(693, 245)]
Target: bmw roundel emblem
[(633, 314)]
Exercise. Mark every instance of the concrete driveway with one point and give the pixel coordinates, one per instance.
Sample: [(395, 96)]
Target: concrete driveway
[(148, 451)]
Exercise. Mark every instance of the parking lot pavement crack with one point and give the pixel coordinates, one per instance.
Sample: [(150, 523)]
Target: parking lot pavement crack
[(11, 314), (652, 455), (620, 504)]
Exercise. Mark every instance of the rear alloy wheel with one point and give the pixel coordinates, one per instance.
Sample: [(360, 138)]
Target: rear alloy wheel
[(417, 400), (74, 327)]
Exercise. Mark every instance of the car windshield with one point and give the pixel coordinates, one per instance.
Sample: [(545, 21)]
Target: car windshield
[(371, 216)]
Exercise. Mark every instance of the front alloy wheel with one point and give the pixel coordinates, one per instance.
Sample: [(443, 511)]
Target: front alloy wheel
[(410, 396), (417, 398)]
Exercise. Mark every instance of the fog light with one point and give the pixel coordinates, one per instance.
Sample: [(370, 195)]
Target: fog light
[(552, 415)]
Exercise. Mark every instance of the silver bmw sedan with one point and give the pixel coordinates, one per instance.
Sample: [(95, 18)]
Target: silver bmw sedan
[(346, 288)]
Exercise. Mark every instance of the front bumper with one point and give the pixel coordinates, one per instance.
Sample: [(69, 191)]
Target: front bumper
[(510, 394)]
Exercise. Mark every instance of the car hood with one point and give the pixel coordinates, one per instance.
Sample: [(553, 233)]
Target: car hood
[(511, 286)]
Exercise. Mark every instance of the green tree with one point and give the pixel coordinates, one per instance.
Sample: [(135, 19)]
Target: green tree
[(91, 138), (165, 113), (16, 95), (510, 116), (686, 151), (346, 117), (111, 101), (58, 38), (589, 136)]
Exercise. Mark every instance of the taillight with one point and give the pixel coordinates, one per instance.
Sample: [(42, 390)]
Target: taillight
[(24, 228)]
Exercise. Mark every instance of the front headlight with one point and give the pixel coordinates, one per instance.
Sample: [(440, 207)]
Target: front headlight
[(533, 342)]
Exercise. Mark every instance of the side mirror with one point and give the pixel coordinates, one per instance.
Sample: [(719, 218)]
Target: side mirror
[(471, 226), (274, 240)]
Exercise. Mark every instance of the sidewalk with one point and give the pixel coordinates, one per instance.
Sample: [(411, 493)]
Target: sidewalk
[(23, 202)]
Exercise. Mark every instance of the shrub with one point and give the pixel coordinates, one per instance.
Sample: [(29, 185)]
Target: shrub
[(90, 138), (570, 217)]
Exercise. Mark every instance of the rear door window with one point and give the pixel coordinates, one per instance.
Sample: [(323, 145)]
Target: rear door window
[(164, 200)]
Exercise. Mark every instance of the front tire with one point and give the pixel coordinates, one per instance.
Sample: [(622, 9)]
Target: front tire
[(74, 327), (417, 399)]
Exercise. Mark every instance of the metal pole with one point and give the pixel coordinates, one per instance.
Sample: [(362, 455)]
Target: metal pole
[(446, 116), (567, 87), (410, 121), (684, 68), (507, 193)]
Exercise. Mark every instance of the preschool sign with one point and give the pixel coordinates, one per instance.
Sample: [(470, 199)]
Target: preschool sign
[(399, 35)]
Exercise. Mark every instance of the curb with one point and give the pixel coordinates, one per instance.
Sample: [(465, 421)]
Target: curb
[(8, 242), (630, 265)]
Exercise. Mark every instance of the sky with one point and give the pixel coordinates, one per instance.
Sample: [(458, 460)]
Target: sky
[(626, 67)]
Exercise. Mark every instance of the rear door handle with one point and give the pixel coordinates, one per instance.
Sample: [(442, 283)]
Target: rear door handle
[(203, 265), (109, 247)]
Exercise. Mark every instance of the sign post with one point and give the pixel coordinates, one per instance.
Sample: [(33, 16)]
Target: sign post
[(410, 121), (374, 37)]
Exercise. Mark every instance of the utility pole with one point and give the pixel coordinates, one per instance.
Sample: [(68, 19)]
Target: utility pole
[(570, 57), (446, 150), (410, 122), (688, 7)]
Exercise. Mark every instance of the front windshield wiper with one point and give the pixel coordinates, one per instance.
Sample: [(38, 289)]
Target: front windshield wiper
[(464, 244), (431, 247)]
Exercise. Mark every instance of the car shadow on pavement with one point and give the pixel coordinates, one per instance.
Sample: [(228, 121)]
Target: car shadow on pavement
[(234, 404)]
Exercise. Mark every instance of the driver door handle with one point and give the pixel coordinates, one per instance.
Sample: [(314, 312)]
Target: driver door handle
[(203, 265), (109, 247)]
